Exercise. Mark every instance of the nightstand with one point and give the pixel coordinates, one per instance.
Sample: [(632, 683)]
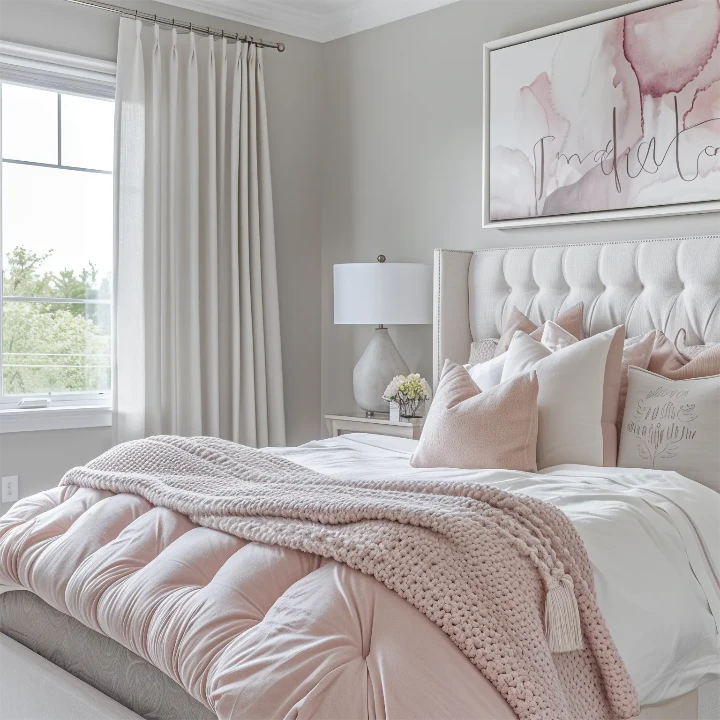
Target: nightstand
[(379, 424)]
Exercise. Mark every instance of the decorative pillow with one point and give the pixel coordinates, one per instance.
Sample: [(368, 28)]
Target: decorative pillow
[(673, 425), (469, 429), (570, 320), (522, 355), (689, 351), (637, 351), (488, 374), (577, 399), (667, 361), (482, 350), (554, 338), (665, 356)]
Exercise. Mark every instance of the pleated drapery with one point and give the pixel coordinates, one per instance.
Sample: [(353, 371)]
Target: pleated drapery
[(197, 330)]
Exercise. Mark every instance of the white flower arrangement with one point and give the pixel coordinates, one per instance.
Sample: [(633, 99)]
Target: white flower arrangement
[(408, 392)]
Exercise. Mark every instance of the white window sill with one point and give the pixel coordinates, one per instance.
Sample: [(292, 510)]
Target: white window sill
[(58, 418)]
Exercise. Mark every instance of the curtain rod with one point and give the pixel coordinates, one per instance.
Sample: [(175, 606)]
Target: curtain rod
[(206, 30)]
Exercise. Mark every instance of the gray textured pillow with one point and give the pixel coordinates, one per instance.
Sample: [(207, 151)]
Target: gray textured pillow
[(482, 350)]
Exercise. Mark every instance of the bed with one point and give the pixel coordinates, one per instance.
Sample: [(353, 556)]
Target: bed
[(657, 596)]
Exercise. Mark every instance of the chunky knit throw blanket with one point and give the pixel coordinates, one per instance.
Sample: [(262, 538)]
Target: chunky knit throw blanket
[(505, 576)]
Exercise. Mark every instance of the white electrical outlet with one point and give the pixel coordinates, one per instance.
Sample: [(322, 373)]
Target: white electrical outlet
[(9, 488)]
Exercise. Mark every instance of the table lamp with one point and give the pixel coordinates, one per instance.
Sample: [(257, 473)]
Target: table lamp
[(381, 294)]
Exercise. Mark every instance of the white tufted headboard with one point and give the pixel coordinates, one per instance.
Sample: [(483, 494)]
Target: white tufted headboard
[(664, 284)]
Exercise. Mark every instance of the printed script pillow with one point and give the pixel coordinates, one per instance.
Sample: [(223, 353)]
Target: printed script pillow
[(469, 429), (570, 320), (672, 425), (577, 397)]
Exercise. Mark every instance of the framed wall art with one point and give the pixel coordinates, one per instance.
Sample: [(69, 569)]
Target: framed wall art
[(614, 115)]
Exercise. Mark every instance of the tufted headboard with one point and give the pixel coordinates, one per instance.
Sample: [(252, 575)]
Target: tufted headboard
[(664, 284)]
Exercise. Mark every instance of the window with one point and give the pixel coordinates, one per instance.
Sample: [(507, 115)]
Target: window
[(56, 247)]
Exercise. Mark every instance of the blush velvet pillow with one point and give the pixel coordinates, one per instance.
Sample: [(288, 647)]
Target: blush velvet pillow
[(473, 430), (668, 361), (691, 351), (570, 320), (578, 395)]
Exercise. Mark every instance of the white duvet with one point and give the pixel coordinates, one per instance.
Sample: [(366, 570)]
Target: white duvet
[(653, 538)]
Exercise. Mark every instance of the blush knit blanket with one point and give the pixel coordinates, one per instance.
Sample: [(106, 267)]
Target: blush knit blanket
[(506, 577)]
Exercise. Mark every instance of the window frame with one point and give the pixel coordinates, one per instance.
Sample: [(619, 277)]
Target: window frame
[(61, 73)]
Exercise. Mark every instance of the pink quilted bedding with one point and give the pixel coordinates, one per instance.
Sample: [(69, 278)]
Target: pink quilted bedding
[(251, 630)]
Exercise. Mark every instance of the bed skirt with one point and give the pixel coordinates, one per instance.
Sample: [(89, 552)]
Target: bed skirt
[(35, 689)]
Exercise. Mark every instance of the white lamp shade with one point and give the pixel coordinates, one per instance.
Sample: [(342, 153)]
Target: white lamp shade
[(383, 294)]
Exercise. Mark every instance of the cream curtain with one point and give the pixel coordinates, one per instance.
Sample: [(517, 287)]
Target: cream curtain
[(197, 336)]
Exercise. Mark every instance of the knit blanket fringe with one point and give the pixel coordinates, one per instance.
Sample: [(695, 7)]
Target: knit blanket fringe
[(506, 577)]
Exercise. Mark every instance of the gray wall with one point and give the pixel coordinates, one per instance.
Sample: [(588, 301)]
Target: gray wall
[(376, 147), (403, 159), (294, 91)]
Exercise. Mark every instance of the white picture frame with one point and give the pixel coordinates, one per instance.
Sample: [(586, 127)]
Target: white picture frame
[(603, 216)]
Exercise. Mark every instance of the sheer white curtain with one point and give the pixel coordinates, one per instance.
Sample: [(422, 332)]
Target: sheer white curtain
[(197, 334)]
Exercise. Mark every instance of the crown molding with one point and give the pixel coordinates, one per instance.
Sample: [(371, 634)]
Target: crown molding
[(345, 18), (367, 14)]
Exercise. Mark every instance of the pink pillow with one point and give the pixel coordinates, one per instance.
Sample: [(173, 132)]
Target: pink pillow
[(570, 320), (473, 430), (689, 351), (637, 352), (669, 362), (665, 356)]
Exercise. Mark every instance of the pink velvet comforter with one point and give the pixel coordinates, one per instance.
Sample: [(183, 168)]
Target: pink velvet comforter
[(251, 630)]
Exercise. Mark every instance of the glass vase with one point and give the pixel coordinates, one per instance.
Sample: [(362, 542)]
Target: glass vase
[(409, 408)]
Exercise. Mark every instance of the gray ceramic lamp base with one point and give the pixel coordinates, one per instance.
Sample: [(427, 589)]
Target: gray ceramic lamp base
[(377, 366)]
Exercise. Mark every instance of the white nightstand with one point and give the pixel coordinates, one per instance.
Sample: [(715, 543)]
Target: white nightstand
[(380, 424)]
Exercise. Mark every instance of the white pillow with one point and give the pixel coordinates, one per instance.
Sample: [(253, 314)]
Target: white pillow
[(577, 398), (487, 374), (672, 425), (555, 338), (522, 355), (490, 373)]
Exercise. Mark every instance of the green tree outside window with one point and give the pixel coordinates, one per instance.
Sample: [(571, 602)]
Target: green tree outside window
[(54, 347)]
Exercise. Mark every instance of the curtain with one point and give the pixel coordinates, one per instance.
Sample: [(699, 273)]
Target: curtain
[(196, 317)]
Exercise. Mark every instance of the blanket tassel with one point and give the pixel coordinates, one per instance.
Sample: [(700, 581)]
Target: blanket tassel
[(562, 618)]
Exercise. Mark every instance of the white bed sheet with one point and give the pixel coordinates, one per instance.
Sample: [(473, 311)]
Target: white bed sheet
[(653, 538)]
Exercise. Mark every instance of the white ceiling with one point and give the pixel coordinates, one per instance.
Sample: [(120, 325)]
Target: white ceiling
[(320, 20)]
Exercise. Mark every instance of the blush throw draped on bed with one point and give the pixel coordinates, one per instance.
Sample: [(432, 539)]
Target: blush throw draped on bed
[(506, 577)]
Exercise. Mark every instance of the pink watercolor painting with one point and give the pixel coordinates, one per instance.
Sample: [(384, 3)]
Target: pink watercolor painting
[(616, 115)]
